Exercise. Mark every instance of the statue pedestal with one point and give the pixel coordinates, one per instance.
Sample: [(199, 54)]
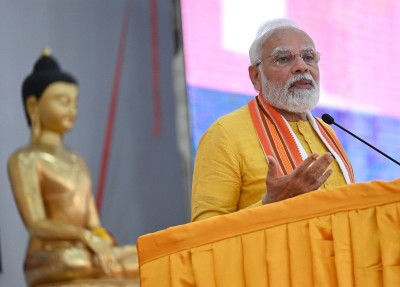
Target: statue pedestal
[(95, 283)]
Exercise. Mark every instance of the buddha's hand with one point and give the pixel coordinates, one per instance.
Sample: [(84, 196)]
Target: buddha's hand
[(103, 250), (104, 234), (307, 176)]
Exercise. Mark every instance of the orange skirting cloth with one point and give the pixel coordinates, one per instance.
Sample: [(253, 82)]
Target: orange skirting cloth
[(348, 236)]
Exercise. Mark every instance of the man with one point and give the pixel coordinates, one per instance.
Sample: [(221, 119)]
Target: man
[(273, 148)]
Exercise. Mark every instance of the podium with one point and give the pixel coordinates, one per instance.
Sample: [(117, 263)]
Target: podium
[(347, 236)]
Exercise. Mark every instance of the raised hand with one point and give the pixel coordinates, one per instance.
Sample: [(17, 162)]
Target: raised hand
[(307, 176)]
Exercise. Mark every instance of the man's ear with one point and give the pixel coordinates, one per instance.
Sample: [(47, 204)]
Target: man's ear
[(255, 77)]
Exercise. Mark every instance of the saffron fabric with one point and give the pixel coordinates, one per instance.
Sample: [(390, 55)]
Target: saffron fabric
[(277, 138), (347, 236), (231, 168)]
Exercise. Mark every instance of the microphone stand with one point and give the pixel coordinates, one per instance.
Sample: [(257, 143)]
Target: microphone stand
[(360, 139)]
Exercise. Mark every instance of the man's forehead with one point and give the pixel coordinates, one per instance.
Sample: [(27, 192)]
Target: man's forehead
[(288, 39)]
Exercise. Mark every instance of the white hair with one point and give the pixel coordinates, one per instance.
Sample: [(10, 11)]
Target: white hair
[(264, 32), (292, 100)]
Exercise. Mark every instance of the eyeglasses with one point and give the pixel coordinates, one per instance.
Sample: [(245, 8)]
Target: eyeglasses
[(285, 58)]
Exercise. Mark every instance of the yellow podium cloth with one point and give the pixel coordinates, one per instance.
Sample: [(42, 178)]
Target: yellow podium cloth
[(349, 236)]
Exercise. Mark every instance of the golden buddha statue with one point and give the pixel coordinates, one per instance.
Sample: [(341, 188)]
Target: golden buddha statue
[(52, 189)]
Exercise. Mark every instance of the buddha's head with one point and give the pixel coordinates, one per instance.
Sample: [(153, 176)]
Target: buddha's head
[(49, 95)]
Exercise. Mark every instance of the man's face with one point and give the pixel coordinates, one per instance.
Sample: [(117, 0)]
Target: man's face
[(291, 85)]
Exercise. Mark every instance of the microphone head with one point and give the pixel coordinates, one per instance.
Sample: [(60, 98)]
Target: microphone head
[(327, 119)]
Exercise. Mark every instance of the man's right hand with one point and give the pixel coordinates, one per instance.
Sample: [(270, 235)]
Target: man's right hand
[(306, 177)]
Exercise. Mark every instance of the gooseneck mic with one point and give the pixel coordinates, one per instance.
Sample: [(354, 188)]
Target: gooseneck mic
[(329, 120)]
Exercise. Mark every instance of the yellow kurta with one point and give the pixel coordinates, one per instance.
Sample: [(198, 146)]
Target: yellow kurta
[(230, 167)]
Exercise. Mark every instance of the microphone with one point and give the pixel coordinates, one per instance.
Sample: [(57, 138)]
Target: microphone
[(329, 120)]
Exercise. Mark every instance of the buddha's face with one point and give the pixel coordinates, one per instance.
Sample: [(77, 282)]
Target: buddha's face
[(57, 107)]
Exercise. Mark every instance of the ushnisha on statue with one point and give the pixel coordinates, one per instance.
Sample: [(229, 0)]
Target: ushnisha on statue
[(52, 189)]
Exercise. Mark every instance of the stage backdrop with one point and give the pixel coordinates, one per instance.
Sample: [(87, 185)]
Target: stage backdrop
[(358, 42)]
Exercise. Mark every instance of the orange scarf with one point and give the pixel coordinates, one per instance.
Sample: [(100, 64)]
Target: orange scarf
[(278, 139)]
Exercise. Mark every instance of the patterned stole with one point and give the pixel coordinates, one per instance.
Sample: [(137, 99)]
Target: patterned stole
[(278, 139)]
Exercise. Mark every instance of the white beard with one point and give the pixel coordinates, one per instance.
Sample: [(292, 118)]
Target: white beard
[(291, 99)]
